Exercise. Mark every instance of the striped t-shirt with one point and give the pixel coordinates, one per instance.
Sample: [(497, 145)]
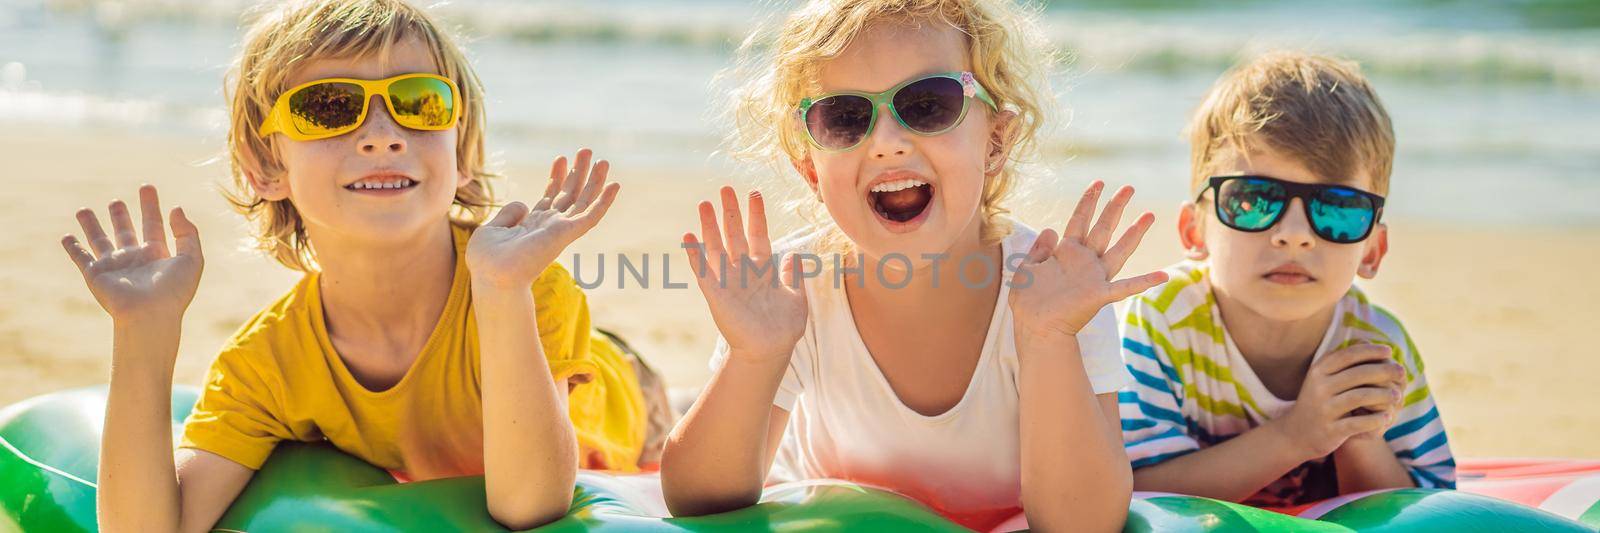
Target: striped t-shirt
[(1193, 389)]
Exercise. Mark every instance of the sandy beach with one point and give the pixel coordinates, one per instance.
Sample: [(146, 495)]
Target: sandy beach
[(1497, 313)]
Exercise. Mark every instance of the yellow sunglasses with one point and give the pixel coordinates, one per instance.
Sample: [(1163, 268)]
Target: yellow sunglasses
[(335, 106)]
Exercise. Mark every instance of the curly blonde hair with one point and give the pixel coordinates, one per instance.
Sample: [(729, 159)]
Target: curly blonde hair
[(293, 33), (1008, 54)]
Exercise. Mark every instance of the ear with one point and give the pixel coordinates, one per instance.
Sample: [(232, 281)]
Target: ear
[(273, 188), (1191, 232), (462, 179), (1001, 136), (1377, 246), (807, 170)]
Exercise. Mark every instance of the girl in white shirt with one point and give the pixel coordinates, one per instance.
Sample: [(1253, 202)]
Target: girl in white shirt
[(917, 340)]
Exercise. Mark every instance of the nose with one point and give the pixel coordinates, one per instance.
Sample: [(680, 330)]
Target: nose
[(888, 138), (380, 134), (1294, 229)]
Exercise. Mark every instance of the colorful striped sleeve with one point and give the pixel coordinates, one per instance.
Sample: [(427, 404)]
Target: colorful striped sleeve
[(1417, 436), (1153, 427)]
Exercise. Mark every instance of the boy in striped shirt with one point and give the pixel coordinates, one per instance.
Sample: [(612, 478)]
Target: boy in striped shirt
[(1262, 375)]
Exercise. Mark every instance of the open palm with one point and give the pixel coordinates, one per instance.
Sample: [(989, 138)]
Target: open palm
[(133, 278), (1068, 280), (520, 242), (759, 306)]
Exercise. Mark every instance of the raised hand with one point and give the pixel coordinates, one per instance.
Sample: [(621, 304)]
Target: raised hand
[(1065, 281), (758, 305), (1350, 393), (519, 243), (138, 280)]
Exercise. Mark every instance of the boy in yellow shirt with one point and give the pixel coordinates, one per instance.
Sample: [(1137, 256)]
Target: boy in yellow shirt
[(414, 341)]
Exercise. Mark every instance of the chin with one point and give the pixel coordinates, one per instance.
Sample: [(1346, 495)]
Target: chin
[(1288, 306)]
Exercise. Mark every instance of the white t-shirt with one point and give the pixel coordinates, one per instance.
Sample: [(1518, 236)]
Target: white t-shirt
[(847, 423)]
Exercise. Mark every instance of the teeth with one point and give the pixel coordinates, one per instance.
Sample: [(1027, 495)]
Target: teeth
[(374, 185), (897, 185)]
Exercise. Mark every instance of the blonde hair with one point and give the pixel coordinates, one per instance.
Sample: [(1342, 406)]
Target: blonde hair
[(301, 31), (1318, 110), (1008, 55)]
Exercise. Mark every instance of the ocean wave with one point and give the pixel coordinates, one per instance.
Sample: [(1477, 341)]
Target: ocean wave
[(1101, 40)]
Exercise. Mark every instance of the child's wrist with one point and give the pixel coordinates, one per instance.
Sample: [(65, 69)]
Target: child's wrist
[(148, 329), (1031, 340), (1283, 439), (760, 359), (496, 284)]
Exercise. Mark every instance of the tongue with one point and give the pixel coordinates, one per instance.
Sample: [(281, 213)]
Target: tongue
[(904, 204)]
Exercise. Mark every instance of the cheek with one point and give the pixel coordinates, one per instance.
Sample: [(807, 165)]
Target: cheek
[(436, 148), (1231, 253), (1343, 259), (308, 162), (836, 174), (958, 157)]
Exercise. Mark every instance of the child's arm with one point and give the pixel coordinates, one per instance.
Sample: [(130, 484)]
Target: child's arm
[(146, 289), (1321, 421), (1365, 462), (530, 450), (1088, 486), (1413, 450), (718, 456), (1058, 289)]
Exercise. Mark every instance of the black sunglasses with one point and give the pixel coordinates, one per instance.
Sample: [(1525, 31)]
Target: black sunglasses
[(1337, 213)]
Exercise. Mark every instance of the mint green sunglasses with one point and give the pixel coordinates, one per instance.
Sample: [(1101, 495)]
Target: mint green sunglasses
[(929, 105)]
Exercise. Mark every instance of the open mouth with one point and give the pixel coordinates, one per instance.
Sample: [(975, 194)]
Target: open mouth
[(901, 200), (382, 185)]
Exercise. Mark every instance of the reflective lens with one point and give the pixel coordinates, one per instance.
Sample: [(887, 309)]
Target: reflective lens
[(422, 103), (327, 108), (840, 121), (1250, 204), (1337, 213), (931, 105), (1342, 215)]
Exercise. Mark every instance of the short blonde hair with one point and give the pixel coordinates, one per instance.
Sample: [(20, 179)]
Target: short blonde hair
[(297, 32), (1008, 54), (1317, 110)]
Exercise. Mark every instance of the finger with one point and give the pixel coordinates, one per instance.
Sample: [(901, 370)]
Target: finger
[(697, 258), (593, 187), (1042, 246), (510, 215), (77, 253), (1369, 397), (185, 235), (791, 275), (1123, 288), (94, 233), (1079, 223), (1117, 256), (733, 225), (574, 180), (597, 210), (1356, 425), (122, 225), (558, 173), (1100, 234), (760, 243), (709, 232), (155, 231), (1377, 374), (1339, 360)]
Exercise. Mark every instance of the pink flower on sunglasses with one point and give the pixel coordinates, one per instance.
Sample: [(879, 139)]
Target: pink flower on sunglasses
[(969, 86)]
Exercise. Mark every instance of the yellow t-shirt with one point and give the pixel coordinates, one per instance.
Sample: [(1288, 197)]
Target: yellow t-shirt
[(279, 378)]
